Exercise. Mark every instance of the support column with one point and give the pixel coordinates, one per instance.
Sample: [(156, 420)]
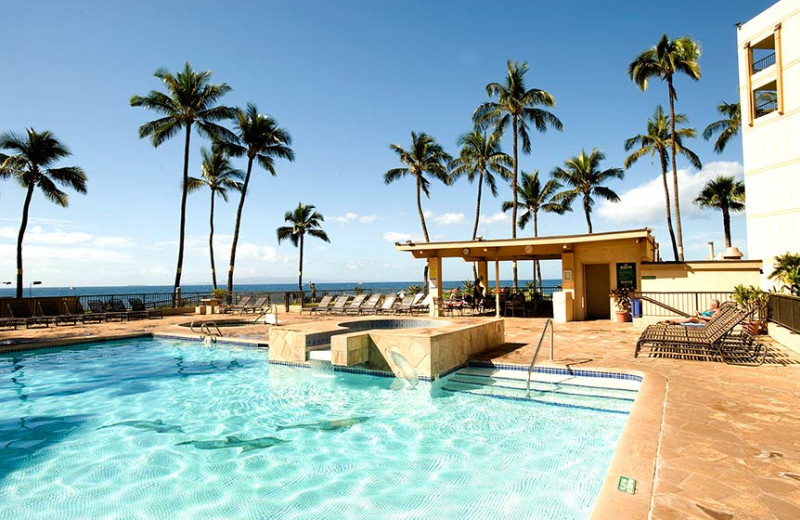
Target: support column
[(496, 288), (435, 284)]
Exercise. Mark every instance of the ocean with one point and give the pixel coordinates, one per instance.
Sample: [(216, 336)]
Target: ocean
[(385, 287)]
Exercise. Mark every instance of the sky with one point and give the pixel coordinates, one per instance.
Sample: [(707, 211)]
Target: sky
[(346, 79)]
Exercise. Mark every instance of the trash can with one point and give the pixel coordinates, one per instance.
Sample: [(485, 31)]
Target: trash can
[(636, 308)]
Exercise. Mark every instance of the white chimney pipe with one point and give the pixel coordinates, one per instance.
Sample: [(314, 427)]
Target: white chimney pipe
[(710, 250)]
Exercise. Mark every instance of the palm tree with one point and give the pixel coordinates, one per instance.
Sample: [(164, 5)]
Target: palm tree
[(786, 269), (480, 158), (728, 126), (516, 107), (191, 100), (218, 174), (657, 140), (424, 156), (32, 165), (304, 220), (725, 194), (664, 60), (535, 199), (260, 139), (586, 179)]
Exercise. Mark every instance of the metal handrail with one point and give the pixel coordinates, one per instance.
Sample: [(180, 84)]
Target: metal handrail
[(549, 323), (205, 327)]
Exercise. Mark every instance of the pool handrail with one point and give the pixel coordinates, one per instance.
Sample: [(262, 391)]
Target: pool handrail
[(548, 323)]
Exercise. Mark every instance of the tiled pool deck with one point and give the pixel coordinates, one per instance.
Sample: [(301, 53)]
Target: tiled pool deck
[(705, 440)]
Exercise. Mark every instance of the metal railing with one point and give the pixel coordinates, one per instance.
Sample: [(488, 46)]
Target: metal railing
[(686, 303), (766, 108), (785, 310), (763, 63), (548, 323)]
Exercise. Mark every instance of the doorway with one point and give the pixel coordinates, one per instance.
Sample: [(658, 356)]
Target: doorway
[(598, 285)]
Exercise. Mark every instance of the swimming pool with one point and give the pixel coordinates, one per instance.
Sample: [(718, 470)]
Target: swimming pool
[(158, 428)]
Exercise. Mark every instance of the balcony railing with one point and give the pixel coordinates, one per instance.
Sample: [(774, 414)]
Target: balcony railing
[(766, 108), (763, 63), (785, 310)]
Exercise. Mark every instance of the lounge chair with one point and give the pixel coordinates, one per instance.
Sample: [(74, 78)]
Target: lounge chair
[(49, 309), (323, 306), (706, 340), (339, 304), (117, 305), (74, 308), (241, 305), (137, 305), (98, 308), (355, 305), (371, 305), (388, 305), (20, 311), (424, 305), (408, 302), (256, 306)]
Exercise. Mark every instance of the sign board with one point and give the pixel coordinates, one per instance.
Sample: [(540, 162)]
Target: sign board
[(648, 277), (626, 275), (627, 485)]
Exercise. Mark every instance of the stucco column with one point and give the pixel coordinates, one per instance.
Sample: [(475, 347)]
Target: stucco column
[(496, 288), (435, 284)]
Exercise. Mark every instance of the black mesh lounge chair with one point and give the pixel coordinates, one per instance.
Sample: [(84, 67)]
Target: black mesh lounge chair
[(339, 305), (241, 305), (74, 308), (137, 305), (117, 305), (98, 308), (21, 311), (323, 306), (355, 305), (388, 305), (371, 305), (256, 306), (707, 340), (49, 309)]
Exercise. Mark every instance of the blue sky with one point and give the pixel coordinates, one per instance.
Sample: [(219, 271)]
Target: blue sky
[(346, 79)]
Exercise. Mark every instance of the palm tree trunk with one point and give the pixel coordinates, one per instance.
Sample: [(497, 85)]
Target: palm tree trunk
[(300, 269), (538, 275), (726, 224), (424, 230), (184, 193), (675, 167), (211, 243), (663, 157), (587, 209), (477, 219), (236, 228), (514, 204), (23, 225)]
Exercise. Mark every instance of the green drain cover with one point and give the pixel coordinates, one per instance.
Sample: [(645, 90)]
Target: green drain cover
[(627, 485)]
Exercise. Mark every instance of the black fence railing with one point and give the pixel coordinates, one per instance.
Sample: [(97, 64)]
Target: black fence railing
[(763, 63), (785, 310), (688, 303), (766, 108)]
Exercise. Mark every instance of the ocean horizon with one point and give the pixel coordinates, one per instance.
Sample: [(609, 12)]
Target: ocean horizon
[(40, 290)]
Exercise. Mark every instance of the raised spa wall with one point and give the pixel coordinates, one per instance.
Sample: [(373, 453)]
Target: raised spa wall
[(429, 351)]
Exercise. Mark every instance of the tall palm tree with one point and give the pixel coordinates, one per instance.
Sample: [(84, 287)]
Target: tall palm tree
[(583, 175), (218, 174), (728, 126), (725, 194), (786, 269), (261, 140), (666, 59), (190, 101), (425, 156), (32, 165), (536, 198), (516, 107), (657, 141), (303, 220), (480, 158)]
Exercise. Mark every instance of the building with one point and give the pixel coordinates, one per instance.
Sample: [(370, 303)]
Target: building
[(769, 90)]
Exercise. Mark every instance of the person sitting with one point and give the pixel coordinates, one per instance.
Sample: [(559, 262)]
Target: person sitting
[(702, 318), (477, 293)]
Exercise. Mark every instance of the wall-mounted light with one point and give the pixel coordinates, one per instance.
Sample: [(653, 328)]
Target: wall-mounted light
[(30, 287)]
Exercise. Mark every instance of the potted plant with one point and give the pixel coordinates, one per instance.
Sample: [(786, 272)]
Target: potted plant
[(219, 294), (756, 301), (622, 299)]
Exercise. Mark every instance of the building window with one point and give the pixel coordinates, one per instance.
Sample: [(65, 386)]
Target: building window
[(765, 99), (763, 54)]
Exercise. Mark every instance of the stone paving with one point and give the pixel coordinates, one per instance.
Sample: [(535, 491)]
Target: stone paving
[(705, 440)]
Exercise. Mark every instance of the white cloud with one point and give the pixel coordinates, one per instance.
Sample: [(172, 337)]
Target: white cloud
[(494, 219), (37, 235), (348, 217), (449, 219), (251, 251), (114, 242), (368, 219), (393, 236), (645, 203)]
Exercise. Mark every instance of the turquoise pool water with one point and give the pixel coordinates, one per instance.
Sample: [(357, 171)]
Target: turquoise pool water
[(172, 430)]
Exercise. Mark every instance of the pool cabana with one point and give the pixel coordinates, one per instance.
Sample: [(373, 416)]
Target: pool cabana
[(591, 265)]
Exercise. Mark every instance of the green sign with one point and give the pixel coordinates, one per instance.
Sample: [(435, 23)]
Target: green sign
[(626, 275), (627, 485), (648, 277)]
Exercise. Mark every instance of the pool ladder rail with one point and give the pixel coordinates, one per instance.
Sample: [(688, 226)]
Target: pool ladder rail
[(206, 333), (548, 323)]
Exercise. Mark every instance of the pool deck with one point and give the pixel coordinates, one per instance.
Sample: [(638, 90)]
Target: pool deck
[(705, 440)]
